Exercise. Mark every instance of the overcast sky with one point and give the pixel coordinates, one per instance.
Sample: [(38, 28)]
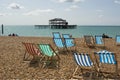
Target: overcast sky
[(80, 12)]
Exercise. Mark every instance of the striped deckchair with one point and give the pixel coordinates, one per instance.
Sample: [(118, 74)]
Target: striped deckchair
[(56, 35), (31, 49), (84, 62), (105, 57), (66, 36), (50, 54), (89, 40), (69, 43), (58, 42), (117, 39), (99, 40)]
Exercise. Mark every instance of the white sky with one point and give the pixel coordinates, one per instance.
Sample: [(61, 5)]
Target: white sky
[(80, 12)]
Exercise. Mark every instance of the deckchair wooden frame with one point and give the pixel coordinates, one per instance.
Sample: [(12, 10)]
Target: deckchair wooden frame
[(89, 40), (100, 66), (50, 58)]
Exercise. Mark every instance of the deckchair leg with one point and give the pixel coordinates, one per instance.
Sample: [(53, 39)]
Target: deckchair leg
[(75, 70), (26, 58), (91, 74), (80, 77)]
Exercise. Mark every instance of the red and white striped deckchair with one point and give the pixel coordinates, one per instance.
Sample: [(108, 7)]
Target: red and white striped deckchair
[(31, 49)]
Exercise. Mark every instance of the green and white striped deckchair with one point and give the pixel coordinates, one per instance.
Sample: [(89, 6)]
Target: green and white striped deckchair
[(51, 55)]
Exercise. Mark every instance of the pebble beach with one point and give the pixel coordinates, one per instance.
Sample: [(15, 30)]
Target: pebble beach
[(12, 66)]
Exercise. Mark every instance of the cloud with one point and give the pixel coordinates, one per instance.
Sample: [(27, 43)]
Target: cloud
[(15, 6), (1, 14), (72, 8), (117, 1), (5, 14), (73, 1), (38, 11), (99, 11), (100, 16)]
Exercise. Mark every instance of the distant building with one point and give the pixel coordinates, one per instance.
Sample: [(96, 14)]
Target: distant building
[(59, 23)]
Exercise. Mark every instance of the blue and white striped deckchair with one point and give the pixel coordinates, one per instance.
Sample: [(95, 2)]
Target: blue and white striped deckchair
[(56, 35), (99, 39), (106, 57), (69, 42), (83, 61), (58, 42), (117, 39), (66, 35)]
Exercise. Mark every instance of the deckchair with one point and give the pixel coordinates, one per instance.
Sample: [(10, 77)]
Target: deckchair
[(99, 40), (89, 40), (58, 42), (51, 56), (109, 59), (66, 35), (117, 39), (56, 35), (84, 62), (69, 43), (32, 50)]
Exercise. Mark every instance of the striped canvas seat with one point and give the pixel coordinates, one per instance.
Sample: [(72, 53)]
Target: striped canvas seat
[(66, 35), (58, 42), (56, 35), (31, 49), (106, 57), (83, 59), (69, 42), (51, 56), (84, 62), (99, 39), (117, 39), (46, 50)]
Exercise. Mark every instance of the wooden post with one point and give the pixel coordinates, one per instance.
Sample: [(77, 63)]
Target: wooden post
[(2, 29)]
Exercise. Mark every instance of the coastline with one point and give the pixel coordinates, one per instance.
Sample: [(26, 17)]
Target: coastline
[(13, 67)]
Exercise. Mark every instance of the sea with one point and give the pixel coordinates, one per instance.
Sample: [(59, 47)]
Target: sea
[(46, 31)]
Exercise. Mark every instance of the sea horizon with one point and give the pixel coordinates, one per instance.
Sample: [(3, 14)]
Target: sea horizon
[(79, 31)]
